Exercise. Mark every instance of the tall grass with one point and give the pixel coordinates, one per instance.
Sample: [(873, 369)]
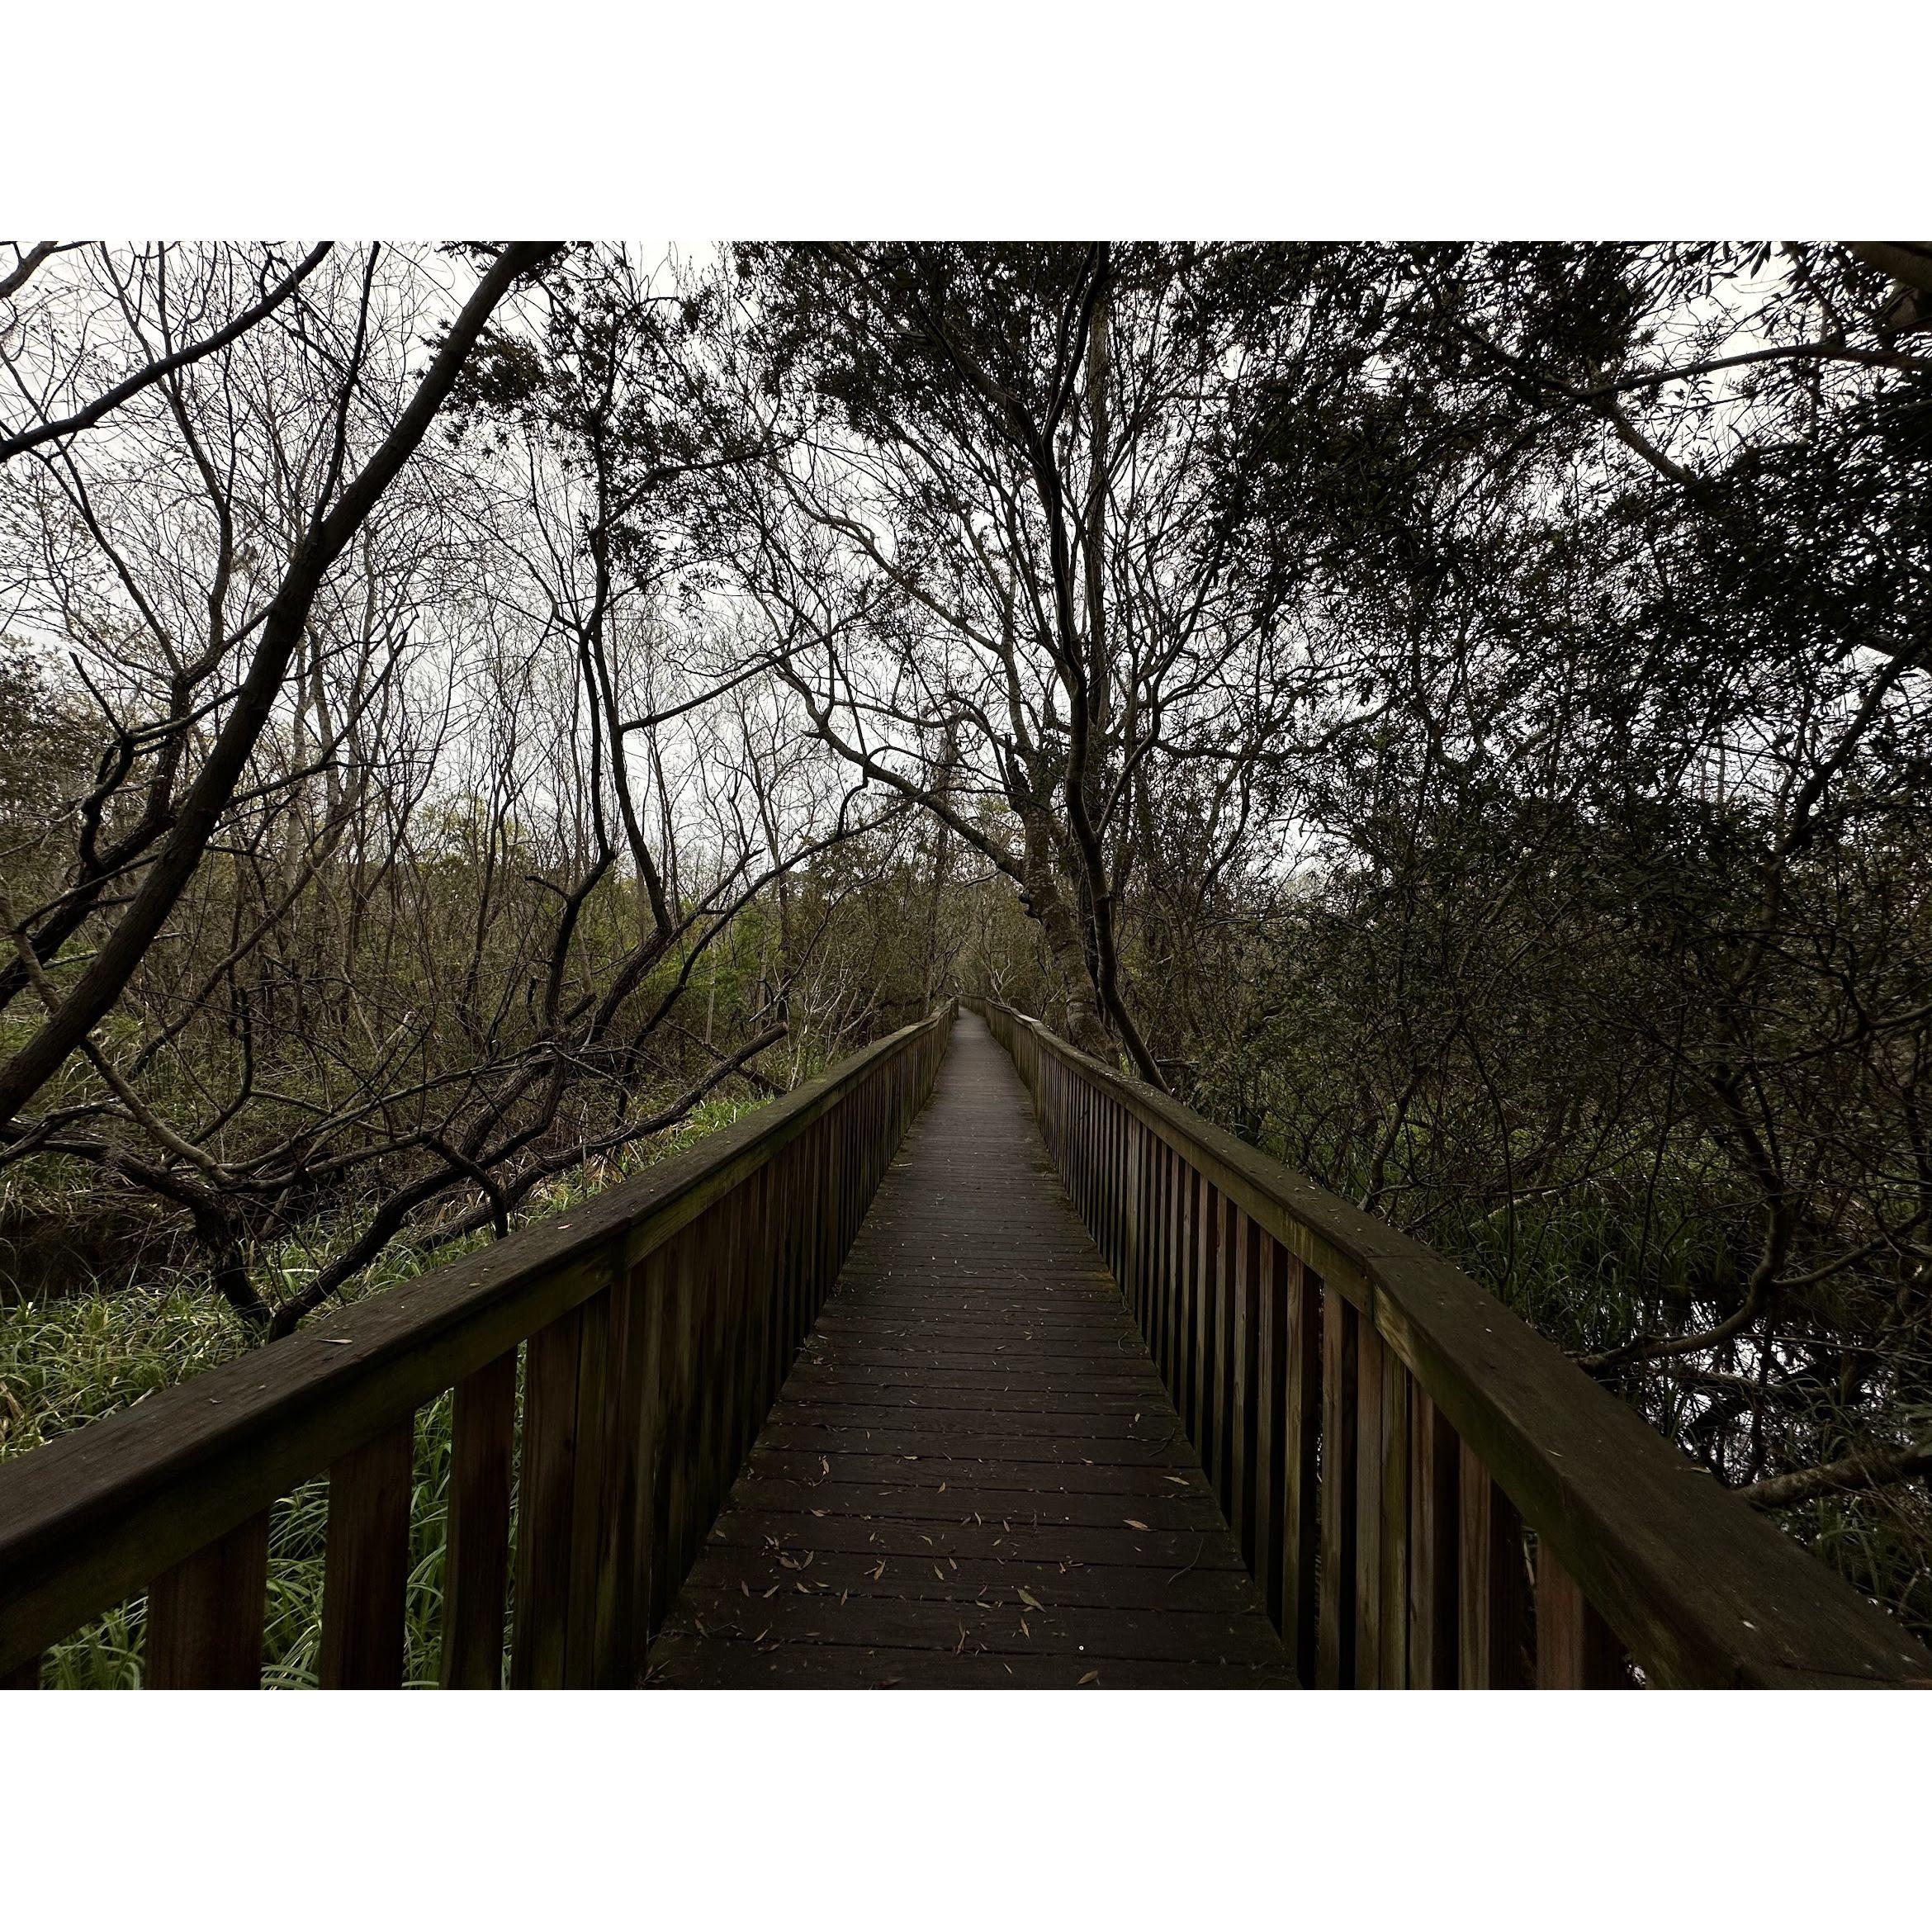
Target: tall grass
[(67, 1362)]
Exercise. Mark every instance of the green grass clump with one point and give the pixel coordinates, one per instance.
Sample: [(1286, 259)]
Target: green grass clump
[(75, 1359)]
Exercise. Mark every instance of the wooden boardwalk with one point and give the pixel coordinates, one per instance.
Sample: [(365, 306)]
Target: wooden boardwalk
[(973, 1476)]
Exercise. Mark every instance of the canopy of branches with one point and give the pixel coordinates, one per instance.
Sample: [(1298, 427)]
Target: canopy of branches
[(1460, 715)]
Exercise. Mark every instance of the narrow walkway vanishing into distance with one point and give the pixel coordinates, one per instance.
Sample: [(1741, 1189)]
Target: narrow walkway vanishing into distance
[(973, 1476), (845, 1395)]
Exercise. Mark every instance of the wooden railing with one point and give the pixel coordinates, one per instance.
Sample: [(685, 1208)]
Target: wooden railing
[(1429, 1493), (654, 1324)]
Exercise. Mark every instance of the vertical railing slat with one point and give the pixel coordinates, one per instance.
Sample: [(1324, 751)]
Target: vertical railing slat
[(1301, 1432), (1392, 1570), (365, 1566), (475, 1565), (1370, 1442), (1246, 1353), (205, 1616), (1435, 1462), (1335, 1630), (1576, 1649), (1493, 1598), (547, 1497)]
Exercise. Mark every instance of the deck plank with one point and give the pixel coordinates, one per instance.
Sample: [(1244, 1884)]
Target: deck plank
[(973, 1417)]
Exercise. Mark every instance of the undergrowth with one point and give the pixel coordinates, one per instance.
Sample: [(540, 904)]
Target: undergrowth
[(75, 1359)]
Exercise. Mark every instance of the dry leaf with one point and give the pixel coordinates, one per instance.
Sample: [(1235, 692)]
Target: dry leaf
[(1092, 1677), (1134, 1522)]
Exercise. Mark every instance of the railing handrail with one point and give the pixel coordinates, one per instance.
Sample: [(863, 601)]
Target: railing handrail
[(1701, 1588), (90, 1518)]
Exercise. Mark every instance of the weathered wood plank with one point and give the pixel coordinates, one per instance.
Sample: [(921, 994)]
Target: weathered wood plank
[(1370, 1448), (1493, 1600), (205, 1615), (1270, 1397), (1301, 1441), (1335, 1634), (476, 1569), (93, 1517), (1435, 1461), (975, 1415), (1575, 1649), (366, 1567), (1705, 1590), (547, 1493), (598, 1423)]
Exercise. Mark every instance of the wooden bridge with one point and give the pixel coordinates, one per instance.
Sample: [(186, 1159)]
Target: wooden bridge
[(1046, 1383)]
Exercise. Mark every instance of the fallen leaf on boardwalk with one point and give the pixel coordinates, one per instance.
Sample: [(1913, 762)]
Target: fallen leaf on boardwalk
[(744, 1586), (1182, 1481), (1134, 1522), (1031, 1601), (1092, 1677), (825, 1463), (880, 1571), (818, 1512)]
